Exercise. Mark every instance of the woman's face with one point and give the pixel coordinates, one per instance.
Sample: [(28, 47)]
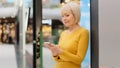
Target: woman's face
[(68, 19)]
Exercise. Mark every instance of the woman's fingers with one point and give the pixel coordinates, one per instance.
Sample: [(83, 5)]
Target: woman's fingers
[(47, 45), (52, 45), (54, 49)]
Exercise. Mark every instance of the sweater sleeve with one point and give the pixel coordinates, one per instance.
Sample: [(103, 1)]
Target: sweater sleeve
[(81, 51), (57, 59)]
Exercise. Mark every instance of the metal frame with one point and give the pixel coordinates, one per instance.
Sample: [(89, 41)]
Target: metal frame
[(37, 19), (94, 34)]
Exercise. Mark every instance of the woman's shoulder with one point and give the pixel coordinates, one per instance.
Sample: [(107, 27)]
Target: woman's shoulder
[(83, 30)]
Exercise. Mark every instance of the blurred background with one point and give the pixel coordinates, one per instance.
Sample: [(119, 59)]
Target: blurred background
[(12, 26), (16, 19), (11, 50)]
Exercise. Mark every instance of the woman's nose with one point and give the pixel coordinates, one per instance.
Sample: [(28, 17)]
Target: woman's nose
[(64, 18)]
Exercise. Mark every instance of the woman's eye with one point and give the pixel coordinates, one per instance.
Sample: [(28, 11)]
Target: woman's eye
[(67, 15)]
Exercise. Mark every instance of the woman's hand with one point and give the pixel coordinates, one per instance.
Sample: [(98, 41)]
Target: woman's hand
[(55, 49), (47, 44)]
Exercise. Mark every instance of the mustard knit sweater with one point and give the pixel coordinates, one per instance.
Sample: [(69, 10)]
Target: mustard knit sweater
[(74, 46)]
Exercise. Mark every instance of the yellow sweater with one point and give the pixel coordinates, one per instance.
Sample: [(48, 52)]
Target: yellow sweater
[(74, 47)]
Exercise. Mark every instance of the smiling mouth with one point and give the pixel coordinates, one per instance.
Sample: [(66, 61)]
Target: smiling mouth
[(65, 22)]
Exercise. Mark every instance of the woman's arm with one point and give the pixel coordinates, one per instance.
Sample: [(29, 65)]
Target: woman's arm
[(81, 52)]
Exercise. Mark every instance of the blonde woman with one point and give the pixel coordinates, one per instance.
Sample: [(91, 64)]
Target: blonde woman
[(73, 42)]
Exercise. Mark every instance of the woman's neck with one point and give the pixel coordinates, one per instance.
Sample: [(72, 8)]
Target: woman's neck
[(71, 29)]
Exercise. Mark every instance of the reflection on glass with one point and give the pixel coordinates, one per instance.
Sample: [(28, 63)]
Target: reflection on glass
[(50, 3), (7, 3), (85, 22), (29, 33), (47, 37), (51, 28), (47, 31), (7, 30)]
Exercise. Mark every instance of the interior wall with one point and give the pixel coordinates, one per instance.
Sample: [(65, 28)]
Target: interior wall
[(109, 33)]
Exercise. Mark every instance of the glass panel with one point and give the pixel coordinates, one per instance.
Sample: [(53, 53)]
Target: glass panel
[(85, 22), (51, 11), (51, 28), (29, 33)]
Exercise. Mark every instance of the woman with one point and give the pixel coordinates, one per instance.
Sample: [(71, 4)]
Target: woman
[(73, 42)]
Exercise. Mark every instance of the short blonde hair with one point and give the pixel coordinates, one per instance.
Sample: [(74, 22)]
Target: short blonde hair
[(75, 10)]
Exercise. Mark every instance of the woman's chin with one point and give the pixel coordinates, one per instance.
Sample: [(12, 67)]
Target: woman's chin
[(66, 25)]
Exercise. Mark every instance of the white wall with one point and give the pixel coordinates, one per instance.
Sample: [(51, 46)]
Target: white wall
[(109, 33)]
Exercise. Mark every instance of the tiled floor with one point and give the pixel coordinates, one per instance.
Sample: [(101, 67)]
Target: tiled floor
[(7, 56), (12, 57)]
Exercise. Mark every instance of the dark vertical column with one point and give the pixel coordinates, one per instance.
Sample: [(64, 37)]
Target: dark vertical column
[(37, 19), (94, 34), (17, 33), (34, 33)]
